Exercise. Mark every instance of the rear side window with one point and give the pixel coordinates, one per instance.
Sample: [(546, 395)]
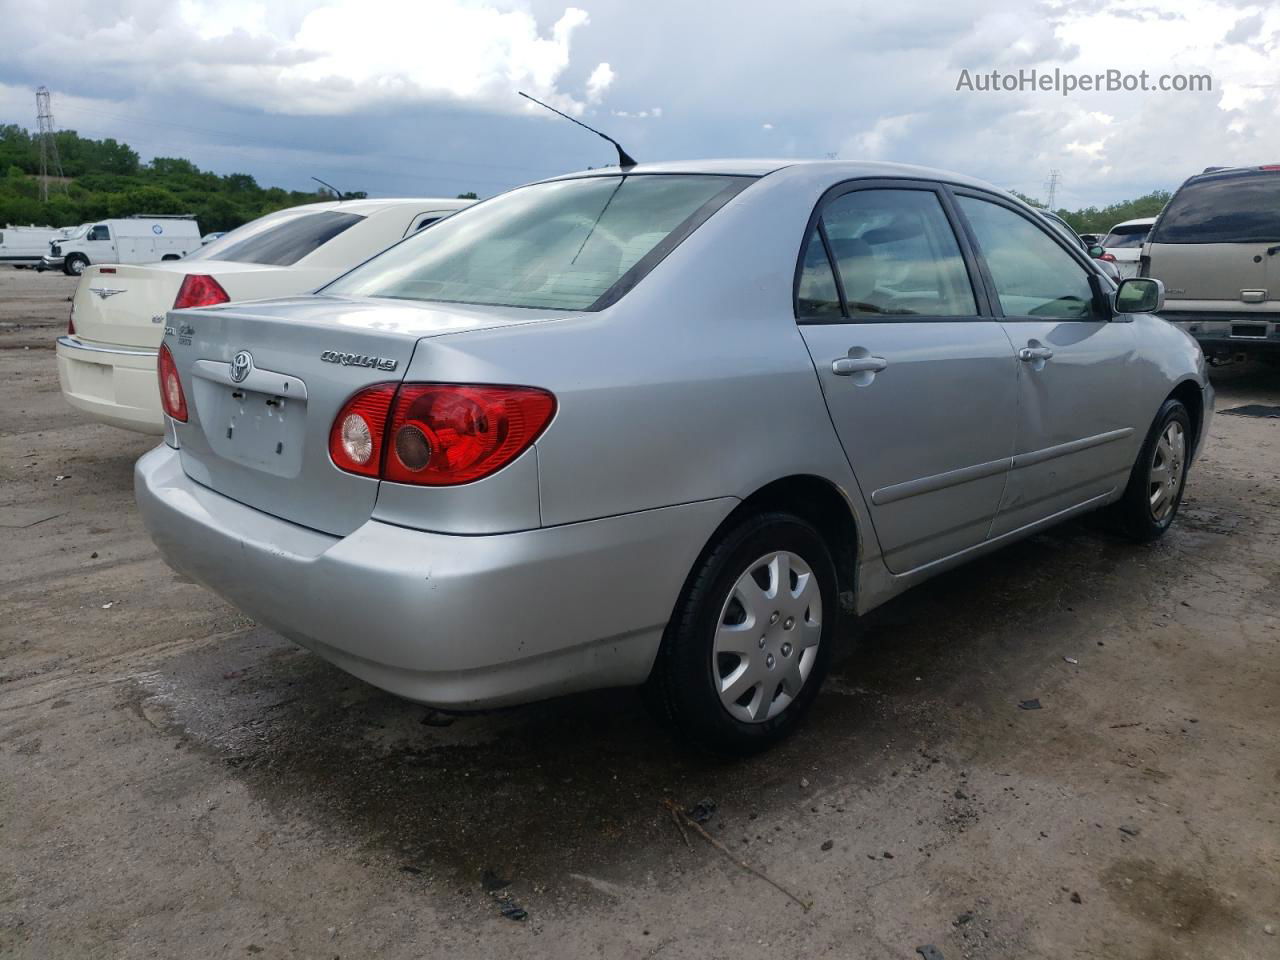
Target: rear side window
[(1127, 236), (816, 293), (1034, 276), (278, 241), (1236, 209), (896, 255)]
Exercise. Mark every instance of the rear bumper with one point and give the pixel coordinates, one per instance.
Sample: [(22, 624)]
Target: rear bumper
[(116, 385), (1221, 333), (452, 621)]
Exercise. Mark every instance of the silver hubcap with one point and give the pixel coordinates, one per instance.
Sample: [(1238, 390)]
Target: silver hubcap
[(767, 639), (1165, 479)]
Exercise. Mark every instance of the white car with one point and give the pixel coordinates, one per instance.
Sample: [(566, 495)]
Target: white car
[(1124, 243), (26, 246), (107, 360)]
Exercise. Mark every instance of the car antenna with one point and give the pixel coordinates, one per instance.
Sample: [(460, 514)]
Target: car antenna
[(336, 192), (625, 160)]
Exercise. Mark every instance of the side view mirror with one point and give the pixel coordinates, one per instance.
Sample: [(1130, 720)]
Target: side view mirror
[(1140, 295), (1096, 251)]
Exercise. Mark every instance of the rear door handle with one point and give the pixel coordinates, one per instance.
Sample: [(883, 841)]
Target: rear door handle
[(847, 366), (1031, 354)]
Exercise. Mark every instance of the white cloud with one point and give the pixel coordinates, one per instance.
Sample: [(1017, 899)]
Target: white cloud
[(599, 82), (766, 126), (326, 57)]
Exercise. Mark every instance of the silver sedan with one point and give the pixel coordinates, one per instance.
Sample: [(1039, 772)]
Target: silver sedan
[(674, 426)]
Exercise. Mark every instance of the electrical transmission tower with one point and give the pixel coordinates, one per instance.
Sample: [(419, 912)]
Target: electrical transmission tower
[(48, 145), (1055, 178)]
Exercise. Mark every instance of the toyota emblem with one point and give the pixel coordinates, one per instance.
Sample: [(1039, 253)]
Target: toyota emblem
[(241, 364)]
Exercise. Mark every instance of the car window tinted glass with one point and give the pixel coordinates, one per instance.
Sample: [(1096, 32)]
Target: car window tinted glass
[(897, 255), (1131, 236), (816, 294), (1238, 209), (280, 239), (425, 222), (560, 244), (1034, 276), (100, 232)]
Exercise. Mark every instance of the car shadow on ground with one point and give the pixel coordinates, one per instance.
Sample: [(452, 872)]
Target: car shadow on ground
[(576, 785)]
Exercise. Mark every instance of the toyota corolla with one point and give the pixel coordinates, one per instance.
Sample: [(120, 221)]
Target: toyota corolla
[(671, 425)]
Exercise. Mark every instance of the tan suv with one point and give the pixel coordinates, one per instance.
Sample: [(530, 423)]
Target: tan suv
[(1216, 246)]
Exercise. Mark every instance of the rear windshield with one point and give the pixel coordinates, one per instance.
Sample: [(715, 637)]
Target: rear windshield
[(279, 239), (1127, 236), (1235, 209), (563, 244)]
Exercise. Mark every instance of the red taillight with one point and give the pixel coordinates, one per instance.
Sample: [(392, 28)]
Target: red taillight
[(437, 434), (1109, 257), (199, 290), (171, 396), (355, 439)]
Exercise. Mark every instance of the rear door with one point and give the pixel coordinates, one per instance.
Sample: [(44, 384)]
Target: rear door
[(920, 384), (1077, 368)]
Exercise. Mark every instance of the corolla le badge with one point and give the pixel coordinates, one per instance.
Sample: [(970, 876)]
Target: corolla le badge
[(358, 360), (104, 292), (241, 365)]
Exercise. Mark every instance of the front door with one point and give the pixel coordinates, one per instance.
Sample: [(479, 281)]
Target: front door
[(98, 245), (1077, 369), (921, 388)]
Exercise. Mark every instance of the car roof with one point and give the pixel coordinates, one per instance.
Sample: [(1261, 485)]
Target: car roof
[(1137, 222), (369, 205), (759, 167)]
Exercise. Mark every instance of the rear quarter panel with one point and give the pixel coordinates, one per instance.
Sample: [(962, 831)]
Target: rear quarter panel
[(695, 385)]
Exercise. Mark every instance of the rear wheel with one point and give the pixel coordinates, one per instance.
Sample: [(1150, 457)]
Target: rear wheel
[(74, 265), (750, 641), (1154, 493)]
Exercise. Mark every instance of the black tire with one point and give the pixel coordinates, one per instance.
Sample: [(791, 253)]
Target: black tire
[(1134, 516), (74, 265), (683, 689)]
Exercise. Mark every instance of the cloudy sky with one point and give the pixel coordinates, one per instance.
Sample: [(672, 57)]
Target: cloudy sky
[(417, 97)]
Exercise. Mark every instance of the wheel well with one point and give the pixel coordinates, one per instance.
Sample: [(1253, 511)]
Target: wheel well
[(822, 504), (170, 256), (1192, 398)]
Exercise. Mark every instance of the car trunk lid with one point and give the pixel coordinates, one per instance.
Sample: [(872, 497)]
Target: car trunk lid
[(124, 304), (258, 426)]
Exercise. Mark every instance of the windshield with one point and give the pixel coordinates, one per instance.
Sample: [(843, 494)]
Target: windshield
[(278, 239), (562, 244), (1131, 235), (1230, 209)]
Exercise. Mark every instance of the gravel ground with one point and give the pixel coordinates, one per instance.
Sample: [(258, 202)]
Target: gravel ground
[(178, 782)]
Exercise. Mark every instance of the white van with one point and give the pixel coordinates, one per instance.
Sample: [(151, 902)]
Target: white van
[(26, 246), (140, 239)]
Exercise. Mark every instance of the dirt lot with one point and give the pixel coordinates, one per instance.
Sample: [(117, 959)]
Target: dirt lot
[(176, 782)]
